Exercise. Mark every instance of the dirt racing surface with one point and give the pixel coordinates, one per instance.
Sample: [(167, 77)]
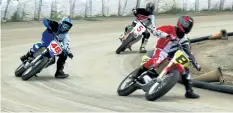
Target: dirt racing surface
[(96, 71), (212, 54)]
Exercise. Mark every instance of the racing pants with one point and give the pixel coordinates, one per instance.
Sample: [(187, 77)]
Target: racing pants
[(159, 56)]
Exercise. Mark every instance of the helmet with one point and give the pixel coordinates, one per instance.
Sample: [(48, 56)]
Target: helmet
[(185, 24), (65, 24), (150, 7)]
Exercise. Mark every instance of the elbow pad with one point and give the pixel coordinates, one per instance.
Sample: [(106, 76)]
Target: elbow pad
[(46, 22), (152, 19)]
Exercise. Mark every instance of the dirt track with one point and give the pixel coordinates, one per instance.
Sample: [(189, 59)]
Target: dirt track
[(96, 71), (213, 54)]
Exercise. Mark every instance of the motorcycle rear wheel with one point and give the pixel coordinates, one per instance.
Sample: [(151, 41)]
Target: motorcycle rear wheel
[(34, 69)]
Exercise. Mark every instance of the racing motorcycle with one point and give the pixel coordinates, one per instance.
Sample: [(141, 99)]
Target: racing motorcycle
[(43, 58), (133, 35), (153, 84)]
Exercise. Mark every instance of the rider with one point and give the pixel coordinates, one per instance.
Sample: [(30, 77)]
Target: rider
[(166, 48), (146, 15), (61, 29)]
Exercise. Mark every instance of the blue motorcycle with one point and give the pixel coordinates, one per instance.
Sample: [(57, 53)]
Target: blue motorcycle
[(41, 59)]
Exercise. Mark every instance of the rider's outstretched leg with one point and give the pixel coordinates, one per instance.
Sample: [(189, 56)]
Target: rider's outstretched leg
[(60, 66), (145, 38), (186, 79)]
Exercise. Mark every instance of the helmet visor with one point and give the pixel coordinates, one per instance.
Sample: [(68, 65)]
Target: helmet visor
[(65, 27)]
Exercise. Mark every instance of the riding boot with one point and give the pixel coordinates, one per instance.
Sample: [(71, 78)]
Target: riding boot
[(139, 71), (26, 56), (142, 48), (189, 91), (188, 87), (60, 67)]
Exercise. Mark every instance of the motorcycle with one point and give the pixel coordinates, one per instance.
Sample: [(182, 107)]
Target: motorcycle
[(153, 84), (43, 58), (133, 35)]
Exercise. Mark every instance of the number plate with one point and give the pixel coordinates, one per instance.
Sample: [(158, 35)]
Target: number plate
[(181, 59), (139, 29), (55, 48)]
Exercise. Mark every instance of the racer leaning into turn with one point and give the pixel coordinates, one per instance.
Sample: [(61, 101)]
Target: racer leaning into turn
[(166, 48), (61, 29), (146, 15)]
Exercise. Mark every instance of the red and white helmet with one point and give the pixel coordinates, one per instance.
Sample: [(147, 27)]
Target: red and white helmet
[(185, 24)]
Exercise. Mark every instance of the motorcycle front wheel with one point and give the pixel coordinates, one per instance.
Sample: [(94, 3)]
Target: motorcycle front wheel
[(125, 43), (168, 82), (19, 70)]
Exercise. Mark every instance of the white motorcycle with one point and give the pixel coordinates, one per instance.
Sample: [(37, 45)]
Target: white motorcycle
[(132, 36)]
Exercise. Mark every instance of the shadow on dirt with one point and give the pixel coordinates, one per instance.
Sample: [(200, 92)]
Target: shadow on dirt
[(131, 52), (43, 78), (165, 98)]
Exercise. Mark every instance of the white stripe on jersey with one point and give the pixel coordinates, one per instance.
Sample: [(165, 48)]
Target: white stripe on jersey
[(171, 47)]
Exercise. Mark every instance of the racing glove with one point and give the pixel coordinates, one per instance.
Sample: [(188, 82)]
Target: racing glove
[(52, 26), (134, 11), (197, 66), (70, 55), (160, 34)]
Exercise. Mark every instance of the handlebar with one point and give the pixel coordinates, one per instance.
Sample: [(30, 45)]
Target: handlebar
[(151, 30), (56, 37)]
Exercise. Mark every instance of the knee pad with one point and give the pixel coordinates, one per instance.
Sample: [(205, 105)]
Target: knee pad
[(36, 46), (186, 75), (62, 58), (146, 35)]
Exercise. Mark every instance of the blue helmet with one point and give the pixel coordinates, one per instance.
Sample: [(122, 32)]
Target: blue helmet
[(65, 25)]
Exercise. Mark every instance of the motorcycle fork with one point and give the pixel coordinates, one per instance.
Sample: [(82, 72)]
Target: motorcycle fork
[(145, 87), (36, 59), (127, 35), (165, 70), (136, 40)]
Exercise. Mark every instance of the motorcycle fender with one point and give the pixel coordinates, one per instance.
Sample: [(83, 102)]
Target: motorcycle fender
[(180, 67), (51, 53), (135, 34), (127, 35), (136, 40), (146, 87), (33, 62)]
